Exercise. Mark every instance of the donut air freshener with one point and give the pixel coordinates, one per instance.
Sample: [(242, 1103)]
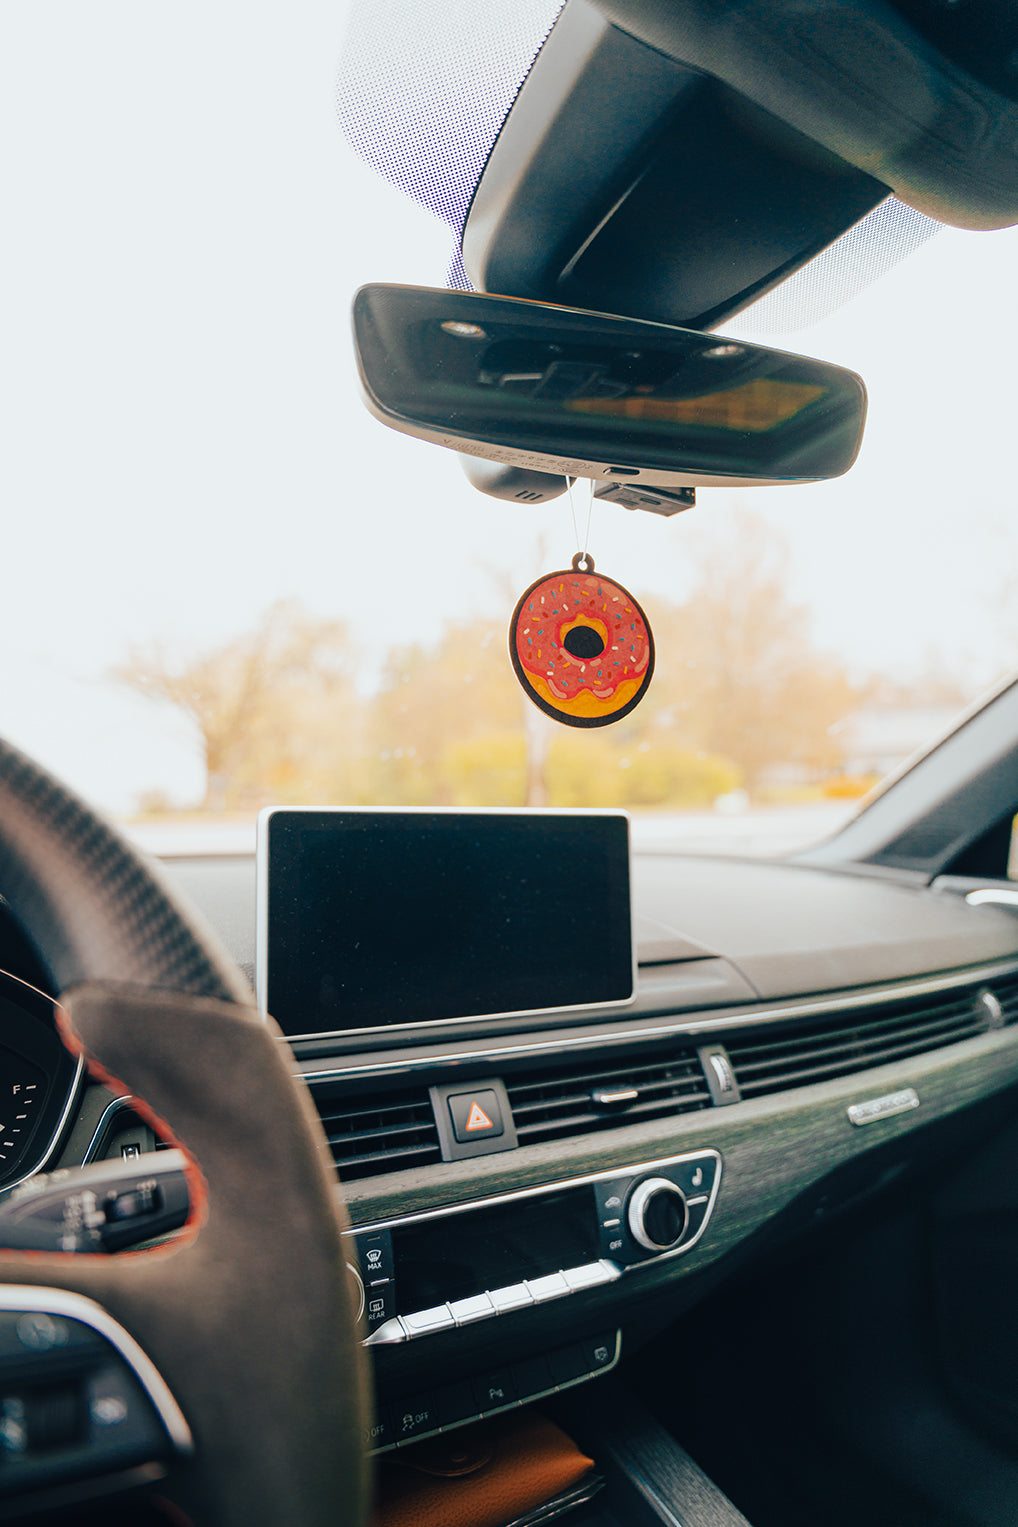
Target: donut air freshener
[(581, 646)]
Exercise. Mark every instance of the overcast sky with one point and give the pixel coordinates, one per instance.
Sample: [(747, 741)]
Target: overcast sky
[(183, 443)]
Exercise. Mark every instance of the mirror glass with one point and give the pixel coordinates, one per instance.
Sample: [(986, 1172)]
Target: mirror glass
[(561, 390)]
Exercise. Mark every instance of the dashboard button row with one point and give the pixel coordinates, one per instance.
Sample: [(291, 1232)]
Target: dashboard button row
[(465, 1311), (516, 1296), (422, 1415)]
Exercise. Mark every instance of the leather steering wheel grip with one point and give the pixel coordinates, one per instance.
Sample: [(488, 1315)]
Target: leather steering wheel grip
[(247, 1314)]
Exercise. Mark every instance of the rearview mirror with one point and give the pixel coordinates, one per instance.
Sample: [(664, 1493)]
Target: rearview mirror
[(587, 395)]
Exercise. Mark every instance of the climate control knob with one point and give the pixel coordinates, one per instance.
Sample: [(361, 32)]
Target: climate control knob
[(657, 1214)]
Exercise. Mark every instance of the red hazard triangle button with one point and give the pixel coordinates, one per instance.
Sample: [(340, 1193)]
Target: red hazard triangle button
[(475, 1115)]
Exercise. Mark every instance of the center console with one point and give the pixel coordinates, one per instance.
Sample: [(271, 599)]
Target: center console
[(385, 928), (450, 1268)]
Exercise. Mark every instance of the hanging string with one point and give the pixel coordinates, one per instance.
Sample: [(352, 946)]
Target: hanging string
[(572, 510)]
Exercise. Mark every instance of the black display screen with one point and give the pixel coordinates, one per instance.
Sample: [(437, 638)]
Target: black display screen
[(464, 1254), (373, 918)]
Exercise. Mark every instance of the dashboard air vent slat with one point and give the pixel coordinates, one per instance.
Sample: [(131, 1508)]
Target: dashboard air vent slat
[(846, 1043), (1006, 993), (376, 1133), (551, 1103)]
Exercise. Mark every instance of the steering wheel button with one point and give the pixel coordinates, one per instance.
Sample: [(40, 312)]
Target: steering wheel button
[(21, 1344), (42, 1333), (13, 1425), (108, 1409)]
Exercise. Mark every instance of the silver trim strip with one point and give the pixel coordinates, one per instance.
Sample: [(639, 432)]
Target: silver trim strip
[(488, 1303), (622, 1169), (60, 1301), (412, 1029), (706, 1022), (902, 1101), (117, 1106), (262, 911), (562, 1505)]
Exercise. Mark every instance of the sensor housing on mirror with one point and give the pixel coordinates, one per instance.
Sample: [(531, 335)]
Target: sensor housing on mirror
[(557, 390)]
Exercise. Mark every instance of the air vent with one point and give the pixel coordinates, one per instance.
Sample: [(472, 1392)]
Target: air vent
[(378, 1132), (849, 1042), (550, 1103), (1006, 993)]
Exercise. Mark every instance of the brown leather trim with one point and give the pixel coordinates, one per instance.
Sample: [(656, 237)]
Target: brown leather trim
[(529, 1462)]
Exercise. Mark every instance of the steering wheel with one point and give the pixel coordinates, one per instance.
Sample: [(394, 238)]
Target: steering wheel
[(247, 1315)]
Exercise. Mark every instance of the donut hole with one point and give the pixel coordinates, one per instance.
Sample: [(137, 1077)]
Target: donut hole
[(583, 642)]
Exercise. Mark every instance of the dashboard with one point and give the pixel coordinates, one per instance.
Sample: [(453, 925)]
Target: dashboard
[(532, 1196), (801, 1039)]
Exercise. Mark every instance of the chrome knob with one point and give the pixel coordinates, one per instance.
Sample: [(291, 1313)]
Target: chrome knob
[(657, 1214)]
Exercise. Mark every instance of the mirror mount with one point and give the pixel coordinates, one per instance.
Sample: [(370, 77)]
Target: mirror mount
[(663, 501), (520, 486)]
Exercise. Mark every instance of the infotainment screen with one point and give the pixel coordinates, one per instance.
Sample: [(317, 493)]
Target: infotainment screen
[(372, 918)]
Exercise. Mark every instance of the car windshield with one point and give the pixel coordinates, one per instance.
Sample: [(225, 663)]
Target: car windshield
[(228, 586)]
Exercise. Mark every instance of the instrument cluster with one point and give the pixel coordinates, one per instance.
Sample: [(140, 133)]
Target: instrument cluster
[(38, 1080)]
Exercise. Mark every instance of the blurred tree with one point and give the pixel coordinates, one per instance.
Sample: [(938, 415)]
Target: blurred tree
[(937, 681), (490, 770), (275, 709), (434, 699), (605, 769), (739, 695), (738, 674), (656, 773), (583, 769)]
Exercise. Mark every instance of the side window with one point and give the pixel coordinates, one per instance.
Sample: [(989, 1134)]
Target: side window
[(994, 856)]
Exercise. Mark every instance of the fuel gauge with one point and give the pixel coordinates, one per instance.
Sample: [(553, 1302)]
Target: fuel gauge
[(22, 1090)]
